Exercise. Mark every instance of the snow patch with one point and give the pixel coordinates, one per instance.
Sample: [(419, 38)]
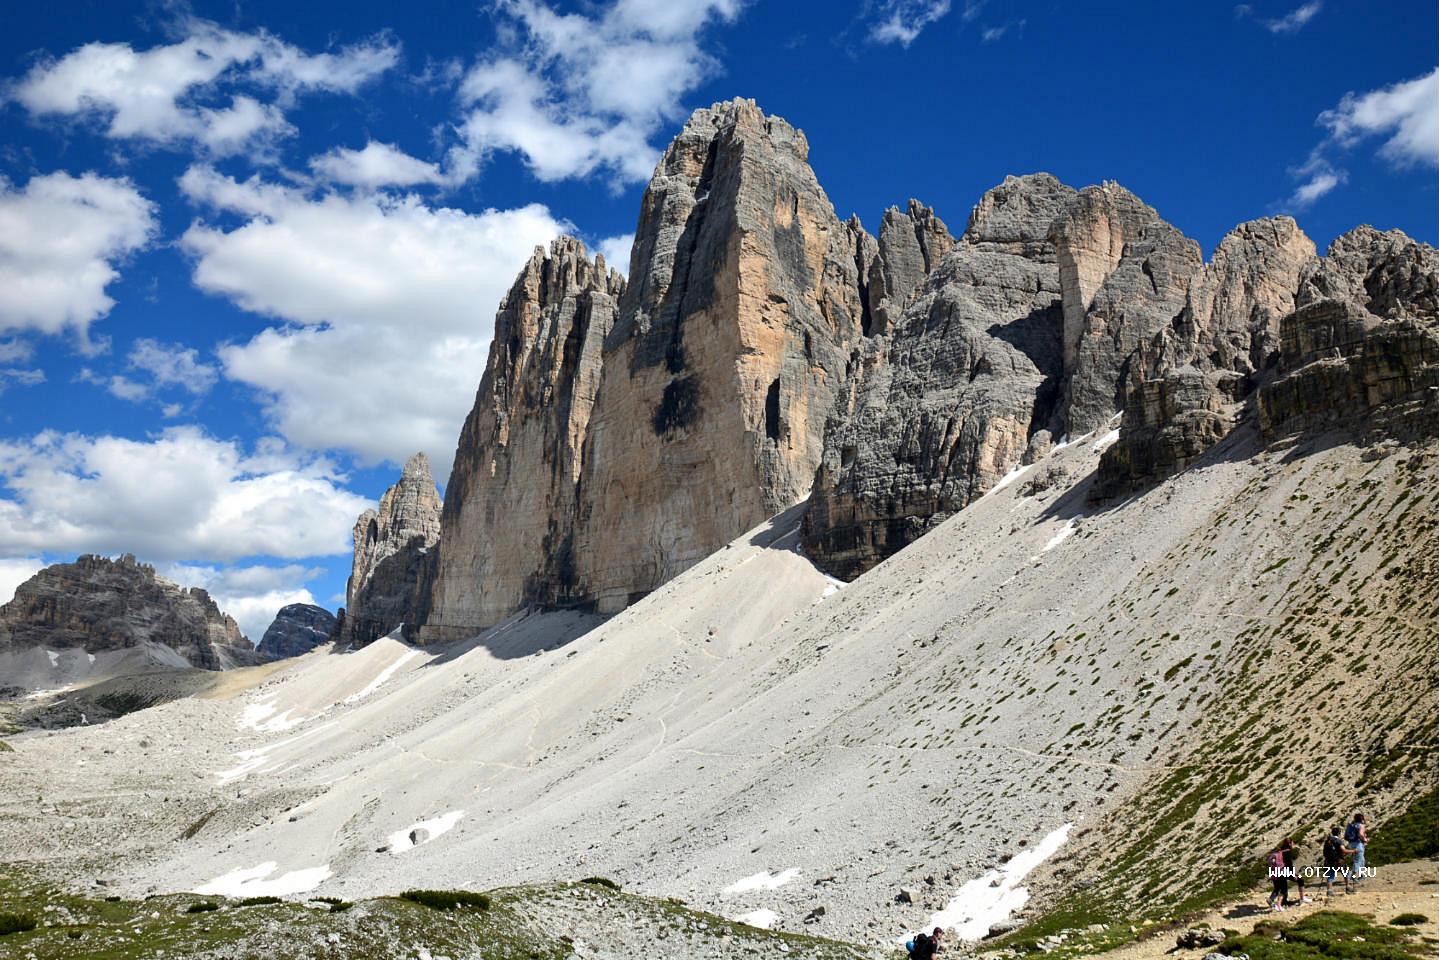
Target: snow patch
[(257, 759), (761, 881), (983, 902), (260, 716), (1106, 441), (427, 830), (1063, 535), (763, 919), (91, 656), (1008, 478), (54, 658), (251, 882), (384, 676)]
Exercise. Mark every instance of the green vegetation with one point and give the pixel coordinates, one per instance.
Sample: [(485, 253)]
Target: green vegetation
[(1327, 935), (1409, 920), (1413, 835), (204, 906), (16, 923), (602, 882), (447, 899), (5, 747), (258, 901)]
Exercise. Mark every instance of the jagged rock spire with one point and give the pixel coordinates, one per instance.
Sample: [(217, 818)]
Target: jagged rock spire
[(390, 576)]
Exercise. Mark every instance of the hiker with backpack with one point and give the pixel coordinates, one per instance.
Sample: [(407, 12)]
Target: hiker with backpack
[(1334, 853), (1356, 835), (924, 946), (1290, 849), (1278, 879)]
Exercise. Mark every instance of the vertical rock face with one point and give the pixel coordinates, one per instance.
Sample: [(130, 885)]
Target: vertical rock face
[(1182, 388), (947, 403), (910, 246), (297, 629), (733, 339), (394, 557), (1125, 274), (1362, 347), (97, 604), (512, 501)]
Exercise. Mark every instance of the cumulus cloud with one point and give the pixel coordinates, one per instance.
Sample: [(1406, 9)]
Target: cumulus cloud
[(186, 91), (576, 94), (1406, 114), (251, 594), (60, 240), (181, 495), (617, 251), (902, 21), (156, 367), (376, 165), (388, 305), (15, 571)]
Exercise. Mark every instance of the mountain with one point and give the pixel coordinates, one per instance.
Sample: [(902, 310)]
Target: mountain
[(393, 565), (297, 629), (98, 617)]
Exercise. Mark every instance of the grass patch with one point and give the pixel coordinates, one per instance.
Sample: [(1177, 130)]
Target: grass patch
[(602, 882), (1327, 935), (448, 899), (1409, 920), (16, 923), (258, 901), (1413, 835), (204, 906), (5, 747)]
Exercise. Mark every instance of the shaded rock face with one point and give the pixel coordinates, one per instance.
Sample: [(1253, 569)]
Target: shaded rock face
[(512, 503), (675, 419), (1362, 347), (910, 246), (394, 560), (97, 604), (298, 628), (1125, 276), (947, 402), (1182, 388)]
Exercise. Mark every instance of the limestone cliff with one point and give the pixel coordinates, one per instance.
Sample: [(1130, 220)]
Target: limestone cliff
[(394, 557), (512, 502), (97, 604), (297, 629), (648, 432), (947, 402)]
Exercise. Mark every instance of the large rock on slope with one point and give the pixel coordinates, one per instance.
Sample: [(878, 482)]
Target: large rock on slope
[(1362, 347), (947, 403), (1183, 388), (297, 629), (513, 498), (98, 605), (393, 565), (715, 382)]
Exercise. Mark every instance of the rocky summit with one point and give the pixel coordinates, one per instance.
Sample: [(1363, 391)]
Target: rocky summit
[(79, 619), (297, 629), (393, 564)]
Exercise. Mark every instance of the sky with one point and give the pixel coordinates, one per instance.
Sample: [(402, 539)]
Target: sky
[(251, 252)]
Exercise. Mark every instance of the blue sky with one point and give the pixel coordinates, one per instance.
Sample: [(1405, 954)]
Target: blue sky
[(250, 252)]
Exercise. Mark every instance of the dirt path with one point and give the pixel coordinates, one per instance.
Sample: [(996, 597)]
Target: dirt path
[(1396, 889)]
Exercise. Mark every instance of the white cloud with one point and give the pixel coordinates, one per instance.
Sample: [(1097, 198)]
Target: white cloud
[(1294, 20), (20, 376), (582, 94), (251, 594), (902, 21), (1408, 113), (1316, 186), (180, 495), (15, 571), (60, 238), (389, 305), (173, 365), (617, 252), (376, 165), (992, 34), (178, 92)]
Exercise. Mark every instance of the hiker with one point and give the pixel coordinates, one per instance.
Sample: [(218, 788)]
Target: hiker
[(1357, 837), (923, 946), (937, 937), (1290, 849), (1334, 853), (1279, 882)]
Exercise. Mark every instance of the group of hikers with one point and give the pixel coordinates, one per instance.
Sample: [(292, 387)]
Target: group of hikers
[(1337, 848)]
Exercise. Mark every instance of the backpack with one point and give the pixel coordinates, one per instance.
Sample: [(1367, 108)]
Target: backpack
[(1333, 849), (921, 948), (1276, 863), (1351, 833)]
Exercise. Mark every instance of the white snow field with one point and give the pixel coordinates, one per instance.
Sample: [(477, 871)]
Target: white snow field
[(730, 740)]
